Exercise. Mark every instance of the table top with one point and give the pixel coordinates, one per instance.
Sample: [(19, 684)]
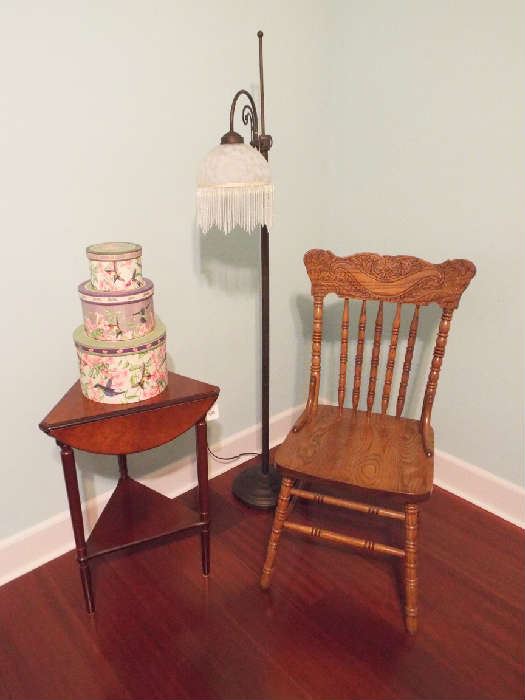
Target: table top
[(133, 427), (74, 409)]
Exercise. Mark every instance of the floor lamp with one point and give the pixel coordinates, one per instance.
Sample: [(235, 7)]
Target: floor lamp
[(234, 189)]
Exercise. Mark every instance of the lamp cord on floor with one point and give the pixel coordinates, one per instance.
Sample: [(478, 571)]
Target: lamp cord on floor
[(230, 459)]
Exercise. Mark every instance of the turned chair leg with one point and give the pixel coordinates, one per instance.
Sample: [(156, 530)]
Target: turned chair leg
[(278, 522), (411, 527)]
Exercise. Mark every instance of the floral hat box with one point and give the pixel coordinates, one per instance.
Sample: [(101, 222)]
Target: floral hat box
[(115, 266), (121, 315), (122, 372)]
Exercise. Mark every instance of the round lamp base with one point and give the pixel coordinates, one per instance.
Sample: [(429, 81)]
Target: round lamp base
[(256, 489)]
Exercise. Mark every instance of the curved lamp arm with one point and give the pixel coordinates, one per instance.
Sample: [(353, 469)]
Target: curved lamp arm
[(262, 142), (249, 113)]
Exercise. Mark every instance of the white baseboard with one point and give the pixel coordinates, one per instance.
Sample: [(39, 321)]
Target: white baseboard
[(498, 496), (39, 544)]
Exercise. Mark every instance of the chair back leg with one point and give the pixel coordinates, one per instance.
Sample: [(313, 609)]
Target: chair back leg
[(278, 522), (411, 531)]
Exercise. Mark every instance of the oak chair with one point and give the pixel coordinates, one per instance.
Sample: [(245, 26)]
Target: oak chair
[(373, 452)]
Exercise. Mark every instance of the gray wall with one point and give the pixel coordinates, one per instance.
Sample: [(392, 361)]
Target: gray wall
[(395, 127)]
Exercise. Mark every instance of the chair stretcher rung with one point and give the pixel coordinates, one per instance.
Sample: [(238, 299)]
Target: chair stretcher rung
[(349, 505), (356, 542)]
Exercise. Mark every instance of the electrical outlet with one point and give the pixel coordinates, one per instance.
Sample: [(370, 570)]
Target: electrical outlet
[(213, 413)]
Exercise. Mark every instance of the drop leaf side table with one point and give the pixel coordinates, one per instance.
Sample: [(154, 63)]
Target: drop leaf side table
[(134, 514)]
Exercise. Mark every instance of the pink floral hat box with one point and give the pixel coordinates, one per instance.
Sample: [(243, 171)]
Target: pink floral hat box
[(120, 372), (121, 315), (115, 266)]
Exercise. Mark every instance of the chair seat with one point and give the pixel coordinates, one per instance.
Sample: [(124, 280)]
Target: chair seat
[(376, 452)]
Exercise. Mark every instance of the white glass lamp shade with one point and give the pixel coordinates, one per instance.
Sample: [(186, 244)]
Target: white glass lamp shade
[(234, 188)]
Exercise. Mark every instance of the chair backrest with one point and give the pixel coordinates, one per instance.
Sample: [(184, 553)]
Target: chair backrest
[(399, 279)]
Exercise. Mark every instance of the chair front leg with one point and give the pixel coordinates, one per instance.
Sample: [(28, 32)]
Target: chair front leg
[(278, 522), (411, 530)]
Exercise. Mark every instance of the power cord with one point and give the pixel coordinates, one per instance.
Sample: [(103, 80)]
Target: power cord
[(230, 459)]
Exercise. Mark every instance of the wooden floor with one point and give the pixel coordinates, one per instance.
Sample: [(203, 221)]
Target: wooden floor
[(330, 627)]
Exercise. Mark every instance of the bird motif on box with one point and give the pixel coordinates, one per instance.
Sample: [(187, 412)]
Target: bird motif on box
[(113, 271), (145, 375), (108, 389), (133, 278), (116, 327), (142, 313)]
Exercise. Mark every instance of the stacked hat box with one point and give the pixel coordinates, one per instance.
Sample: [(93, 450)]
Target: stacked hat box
[(121, 345)]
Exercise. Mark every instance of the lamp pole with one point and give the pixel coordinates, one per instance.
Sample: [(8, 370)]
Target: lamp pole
[(258, 485)]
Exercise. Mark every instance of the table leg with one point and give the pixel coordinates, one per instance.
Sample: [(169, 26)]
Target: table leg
[(73, 496), (202, 475), (123, 466)]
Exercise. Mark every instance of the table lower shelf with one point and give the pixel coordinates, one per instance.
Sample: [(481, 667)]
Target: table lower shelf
[(136, 514)]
